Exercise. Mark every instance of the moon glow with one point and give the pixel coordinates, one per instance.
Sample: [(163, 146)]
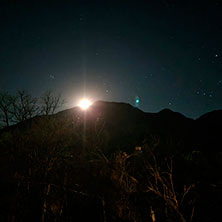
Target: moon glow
[(84, 104)]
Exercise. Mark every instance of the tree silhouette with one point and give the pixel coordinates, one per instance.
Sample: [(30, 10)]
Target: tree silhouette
[(24, 106), (50, 102), (6, 108)]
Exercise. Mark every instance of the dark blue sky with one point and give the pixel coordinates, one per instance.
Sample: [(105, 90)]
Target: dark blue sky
[(168, 53)]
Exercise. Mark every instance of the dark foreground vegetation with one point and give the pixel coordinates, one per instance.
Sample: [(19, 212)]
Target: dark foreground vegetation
[(111, 163)]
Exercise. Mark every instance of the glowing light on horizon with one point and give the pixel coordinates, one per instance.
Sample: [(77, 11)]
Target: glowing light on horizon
[(84, 104)]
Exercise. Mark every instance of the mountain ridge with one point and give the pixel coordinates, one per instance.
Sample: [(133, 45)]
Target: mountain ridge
[(130, 126)]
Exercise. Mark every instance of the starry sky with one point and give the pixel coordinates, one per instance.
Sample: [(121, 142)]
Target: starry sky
[(162, 53)]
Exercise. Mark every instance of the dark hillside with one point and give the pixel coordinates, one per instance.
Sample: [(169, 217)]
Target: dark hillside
[(126, 126), (112, 162), (209, 131)]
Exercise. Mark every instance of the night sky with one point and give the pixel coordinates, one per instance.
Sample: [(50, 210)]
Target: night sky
[(167, 54)]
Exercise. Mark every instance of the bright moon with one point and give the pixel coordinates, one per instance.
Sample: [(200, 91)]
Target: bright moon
[(84, 104)]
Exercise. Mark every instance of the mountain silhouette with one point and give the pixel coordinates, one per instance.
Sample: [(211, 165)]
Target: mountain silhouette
[(126, 127), (78, 160)]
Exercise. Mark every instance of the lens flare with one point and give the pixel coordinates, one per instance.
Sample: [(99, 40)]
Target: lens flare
[(84, 104)]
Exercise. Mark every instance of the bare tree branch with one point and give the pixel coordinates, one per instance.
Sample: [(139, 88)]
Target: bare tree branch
[(24, 106), (6, 105), (161, 183), (50, 103)]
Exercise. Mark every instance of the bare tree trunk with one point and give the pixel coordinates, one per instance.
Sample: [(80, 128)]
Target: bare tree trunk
[(177, 211), (44, 210), (6, 119), (104, 211), (13, 218), (152, 214)]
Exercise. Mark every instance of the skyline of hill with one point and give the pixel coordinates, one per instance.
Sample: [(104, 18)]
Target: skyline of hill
[(99, 162), (127, 126)]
